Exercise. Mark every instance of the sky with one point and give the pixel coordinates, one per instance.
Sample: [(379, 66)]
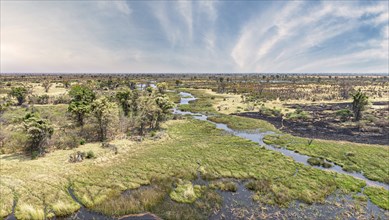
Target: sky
[(194, 36)]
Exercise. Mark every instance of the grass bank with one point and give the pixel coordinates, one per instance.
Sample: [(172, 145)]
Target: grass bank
[(43, 183), (372, 160), (241, 123), (205, 104)]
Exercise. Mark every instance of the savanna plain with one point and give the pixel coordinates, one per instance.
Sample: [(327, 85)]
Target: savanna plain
[(194, 146)]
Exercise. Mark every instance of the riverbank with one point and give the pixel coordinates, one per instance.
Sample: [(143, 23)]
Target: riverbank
[(187, 148)]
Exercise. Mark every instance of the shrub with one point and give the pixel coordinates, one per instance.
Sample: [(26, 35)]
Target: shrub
[(90, 154), (82, 142), (20, 93), (344, 114), (66, 141), (42, 100), (89, 133), (62, 99), (14, 141), (297, 114), (34, 154), (38, 131), (270, 112)]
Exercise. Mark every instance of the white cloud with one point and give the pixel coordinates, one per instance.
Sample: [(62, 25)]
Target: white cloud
[(115, 5), (282, 44), (185, 10), (190, 36), (51, 40), (209, 7), (171, 30)]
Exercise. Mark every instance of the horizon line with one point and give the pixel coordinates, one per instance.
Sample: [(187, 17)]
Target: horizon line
[(48, 73)]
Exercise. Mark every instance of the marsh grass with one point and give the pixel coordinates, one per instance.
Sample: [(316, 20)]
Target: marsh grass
[(241, 123), (224, 185), (186, 192), (339, 152), (378, 196), (136, 201), (314, 161), (203, 103), (44, 182)]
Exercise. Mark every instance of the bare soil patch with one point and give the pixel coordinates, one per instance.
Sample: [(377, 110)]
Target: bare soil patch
[(324, 124)]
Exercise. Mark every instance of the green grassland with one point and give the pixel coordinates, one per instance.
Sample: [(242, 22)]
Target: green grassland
[(351, 156), (378, 196), (372, 160), (157, 169), (240, 123), (43, 183), (204, 104)]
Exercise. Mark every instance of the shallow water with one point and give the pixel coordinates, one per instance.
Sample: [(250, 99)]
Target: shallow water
[(239, 204), (257, 136)]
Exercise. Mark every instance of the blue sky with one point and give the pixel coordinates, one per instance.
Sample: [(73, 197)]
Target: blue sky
[(195, 36)]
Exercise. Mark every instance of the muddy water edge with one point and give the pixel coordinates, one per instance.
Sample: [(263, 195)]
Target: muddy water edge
[(240, 205)]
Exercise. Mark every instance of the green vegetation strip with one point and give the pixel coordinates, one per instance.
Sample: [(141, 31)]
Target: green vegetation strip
[(203, 104), (241, 123), (378, 196), (43, 183), (372, 160)]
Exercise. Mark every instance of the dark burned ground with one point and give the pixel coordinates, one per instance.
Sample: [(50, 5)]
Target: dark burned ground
[(325, 125)]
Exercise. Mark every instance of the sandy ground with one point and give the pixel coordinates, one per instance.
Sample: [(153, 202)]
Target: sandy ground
[(232, 103)]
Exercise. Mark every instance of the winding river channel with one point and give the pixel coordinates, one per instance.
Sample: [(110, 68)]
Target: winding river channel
[(242, 198), (257, 136)]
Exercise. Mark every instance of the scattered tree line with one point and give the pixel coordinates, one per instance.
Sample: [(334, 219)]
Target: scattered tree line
[(96, 113)]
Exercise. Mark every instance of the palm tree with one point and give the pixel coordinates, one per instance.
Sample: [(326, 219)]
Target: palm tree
[(360, 101)]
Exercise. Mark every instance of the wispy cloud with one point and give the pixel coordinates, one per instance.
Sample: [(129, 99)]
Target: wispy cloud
[(185, 10), (116, 5), (194, 36), (300, 28)]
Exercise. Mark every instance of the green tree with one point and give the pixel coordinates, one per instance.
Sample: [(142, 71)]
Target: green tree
[(81, 98), (38, 132), (147, 114), (164, 105), (360, 101), (66, 83), (149, 89), (46, 85), (162, 87), (101, 109), (134, 107), (124, 99), (20, 93)]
